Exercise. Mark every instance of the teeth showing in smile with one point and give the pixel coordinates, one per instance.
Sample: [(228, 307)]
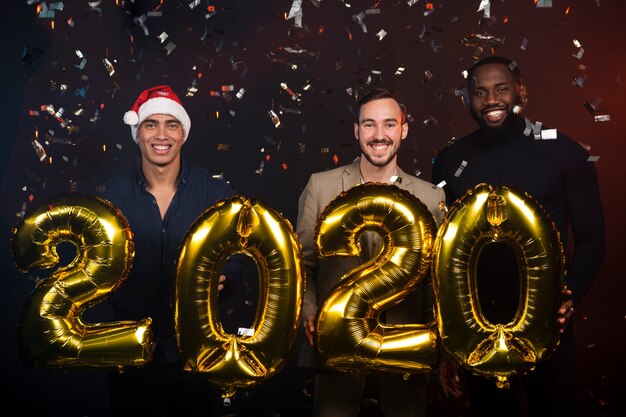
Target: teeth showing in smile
[(161, 147), (495, 114), (379, 146)]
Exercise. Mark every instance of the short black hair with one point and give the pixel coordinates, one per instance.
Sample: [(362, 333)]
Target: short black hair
[(495, 59), (378, 94)]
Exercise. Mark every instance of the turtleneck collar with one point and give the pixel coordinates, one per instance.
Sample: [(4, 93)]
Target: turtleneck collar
[(508, 134)]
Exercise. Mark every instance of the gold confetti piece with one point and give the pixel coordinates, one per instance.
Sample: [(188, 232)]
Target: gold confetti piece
[(274, 117), (39, 149), (223, 147), (108, 66)]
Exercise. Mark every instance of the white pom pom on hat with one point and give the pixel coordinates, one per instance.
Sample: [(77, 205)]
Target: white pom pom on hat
[(157, 100)]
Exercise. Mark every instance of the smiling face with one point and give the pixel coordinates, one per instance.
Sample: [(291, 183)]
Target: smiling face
[(380, 131), (494, 95), (160, 138)]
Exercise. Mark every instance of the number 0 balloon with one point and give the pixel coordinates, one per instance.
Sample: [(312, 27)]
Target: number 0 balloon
[(51, 331), (238, 225), (481, 217)]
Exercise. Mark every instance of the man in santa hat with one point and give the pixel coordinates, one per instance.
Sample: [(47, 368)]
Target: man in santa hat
[(161, 197)]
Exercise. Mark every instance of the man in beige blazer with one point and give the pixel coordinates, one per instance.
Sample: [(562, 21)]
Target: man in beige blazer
[(380, 130)]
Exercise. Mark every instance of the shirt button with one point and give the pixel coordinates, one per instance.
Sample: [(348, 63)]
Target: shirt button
[(163, 230), (154, 201)]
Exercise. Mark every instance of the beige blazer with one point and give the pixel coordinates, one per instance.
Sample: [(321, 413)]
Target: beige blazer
[(322, 275)]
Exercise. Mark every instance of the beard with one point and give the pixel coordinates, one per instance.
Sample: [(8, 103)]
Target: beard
[(507, 124), (381, 162)]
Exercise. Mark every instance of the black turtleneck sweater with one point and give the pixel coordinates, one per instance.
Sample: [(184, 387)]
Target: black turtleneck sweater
[(555, 172)]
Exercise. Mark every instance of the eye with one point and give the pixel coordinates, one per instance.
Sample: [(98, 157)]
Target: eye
[(478, 93), (391, 125)]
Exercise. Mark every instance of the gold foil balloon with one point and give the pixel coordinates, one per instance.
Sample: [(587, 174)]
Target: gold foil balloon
[(349, 333), (232, 226), (51, 332), (484, 216)]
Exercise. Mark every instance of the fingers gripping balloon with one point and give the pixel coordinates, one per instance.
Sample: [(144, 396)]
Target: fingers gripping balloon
[(481, 217), (349, 334), (51, 331), (238, 225)]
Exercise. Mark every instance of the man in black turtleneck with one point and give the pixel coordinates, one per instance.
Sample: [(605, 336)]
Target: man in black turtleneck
[(556, 171)]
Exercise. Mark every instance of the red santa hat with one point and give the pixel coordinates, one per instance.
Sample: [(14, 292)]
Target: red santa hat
[(157, 100)]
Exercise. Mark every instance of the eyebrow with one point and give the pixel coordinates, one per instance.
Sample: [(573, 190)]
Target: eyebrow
[(385, 120), (504, 83), (173, 120)]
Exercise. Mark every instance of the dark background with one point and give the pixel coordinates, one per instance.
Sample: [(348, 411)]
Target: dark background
[(243, 44)]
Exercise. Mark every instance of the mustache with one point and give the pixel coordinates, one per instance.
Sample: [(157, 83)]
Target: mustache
[(380, 141)]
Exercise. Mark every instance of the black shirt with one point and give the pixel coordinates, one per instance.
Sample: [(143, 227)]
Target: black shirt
[(557, 173)]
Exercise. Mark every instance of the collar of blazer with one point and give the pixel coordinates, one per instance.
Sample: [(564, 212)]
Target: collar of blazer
[(352, 176)]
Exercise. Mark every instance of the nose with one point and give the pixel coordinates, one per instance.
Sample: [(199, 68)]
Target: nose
[(380, 131), (492, 97), (162, 131)]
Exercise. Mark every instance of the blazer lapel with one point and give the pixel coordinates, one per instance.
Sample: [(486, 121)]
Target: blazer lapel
[(351, 176)]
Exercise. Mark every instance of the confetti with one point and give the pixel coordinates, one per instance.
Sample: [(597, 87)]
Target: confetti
[(295, 13), (460, 169), (544, 4), (169, 48), (485, 7), (579, 54), (548, 134), (274, 118), (40, 152), (108, 66)]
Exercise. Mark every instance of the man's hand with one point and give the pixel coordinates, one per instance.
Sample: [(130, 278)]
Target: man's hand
[(309, 328), (220, 286), (449, 379), (566, 311)]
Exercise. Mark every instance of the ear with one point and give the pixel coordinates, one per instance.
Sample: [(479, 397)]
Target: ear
[(356, 131), (523, 94), (405, 130)]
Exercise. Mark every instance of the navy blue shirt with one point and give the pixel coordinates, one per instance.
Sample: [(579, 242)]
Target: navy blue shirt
[(149, 288)]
